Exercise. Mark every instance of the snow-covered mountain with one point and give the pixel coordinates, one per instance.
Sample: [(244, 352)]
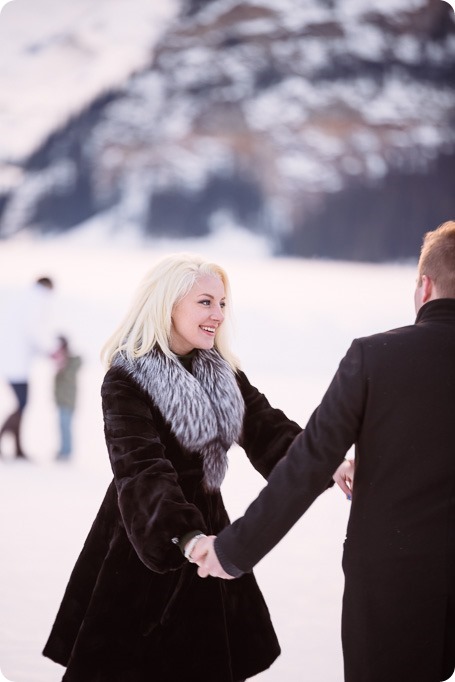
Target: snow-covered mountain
[(326, 125), (56, 56)]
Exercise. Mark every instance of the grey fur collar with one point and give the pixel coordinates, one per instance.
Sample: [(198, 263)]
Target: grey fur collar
[(204, 408)]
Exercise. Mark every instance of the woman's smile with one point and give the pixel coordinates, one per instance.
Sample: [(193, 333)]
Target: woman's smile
[(209, 330)]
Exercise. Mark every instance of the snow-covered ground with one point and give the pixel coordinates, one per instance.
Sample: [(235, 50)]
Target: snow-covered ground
[(294, 321)]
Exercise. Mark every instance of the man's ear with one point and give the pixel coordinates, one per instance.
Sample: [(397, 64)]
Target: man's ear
[(427, 288)]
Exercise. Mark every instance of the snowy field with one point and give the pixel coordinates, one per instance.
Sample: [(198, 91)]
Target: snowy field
[(294, 321)]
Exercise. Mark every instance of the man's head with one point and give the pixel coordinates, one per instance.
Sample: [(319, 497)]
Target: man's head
[(45, 282), (436, 269)]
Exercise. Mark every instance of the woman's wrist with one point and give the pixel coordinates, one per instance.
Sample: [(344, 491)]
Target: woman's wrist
[(191, 545), (185, 539)]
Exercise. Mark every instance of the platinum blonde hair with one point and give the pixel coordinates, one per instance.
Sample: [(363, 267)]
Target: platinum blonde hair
[(149, 320)]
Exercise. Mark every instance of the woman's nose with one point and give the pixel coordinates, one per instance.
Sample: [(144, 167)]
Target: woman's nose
[(218, 314)]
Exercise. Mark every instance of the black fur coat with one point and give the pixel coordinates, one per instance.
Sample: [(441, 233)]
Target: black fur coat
[(135, 610)]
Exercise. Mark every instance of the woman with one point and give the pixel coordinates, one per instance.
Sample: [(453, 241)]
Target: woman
[(174, 401)]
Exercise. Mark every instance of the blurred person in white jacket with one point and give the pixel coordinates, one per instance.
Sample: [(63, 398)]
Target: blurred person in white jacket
[(25, 333)]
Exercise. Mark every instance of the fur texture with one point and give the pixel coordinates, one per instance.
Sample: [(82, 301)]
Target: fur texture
[(204, 409), (134, 609)]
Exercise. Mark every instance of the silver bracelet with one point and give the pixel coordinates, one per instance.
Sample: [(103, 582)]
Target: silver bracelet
[(191, 545)]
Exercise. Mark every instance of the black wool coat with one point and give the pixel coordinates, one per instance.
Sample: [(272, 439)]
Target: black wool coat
[(394, 397), (135, 610)]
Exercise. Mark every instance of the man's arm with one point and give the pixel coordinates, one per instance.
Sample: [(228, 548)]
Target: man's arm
[(298, 479)]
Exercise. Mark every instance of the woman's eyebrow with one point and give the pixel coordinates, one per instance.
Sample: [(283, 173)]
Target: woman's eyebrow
[(212, 297)]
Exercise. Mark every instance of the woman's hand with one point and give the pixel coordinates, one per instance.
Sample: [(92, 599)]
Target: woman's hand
[(344, 477), (203, 554)]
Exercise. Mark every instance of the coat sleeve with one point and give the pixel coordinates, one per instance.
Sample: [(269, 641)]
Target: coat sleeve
[(267, 432), (303, 473), (151, 502)]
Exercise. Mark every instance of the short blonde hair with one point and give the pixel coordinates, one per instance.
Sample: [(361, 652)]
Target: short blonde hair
[(149, 320), (437, 259)]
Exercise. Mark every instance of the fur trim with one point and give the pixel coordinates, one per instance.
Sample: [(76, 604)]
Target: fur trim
[(204, 408)]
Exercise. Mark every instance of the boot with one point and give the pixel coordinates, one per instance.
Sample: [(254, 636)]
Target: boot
[(13, 425)]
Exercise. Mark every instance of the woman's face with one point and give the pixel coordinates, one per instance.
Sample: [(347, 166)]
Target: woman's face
[(196, 318)]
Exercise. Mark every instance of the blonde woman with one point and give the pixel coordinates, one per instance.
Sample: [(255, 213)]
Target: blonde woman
[(174, 401)]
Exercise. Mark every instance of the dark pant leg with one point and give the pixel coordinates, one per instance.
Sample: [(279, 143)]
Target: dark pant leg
[(12, 423), (21, 393)]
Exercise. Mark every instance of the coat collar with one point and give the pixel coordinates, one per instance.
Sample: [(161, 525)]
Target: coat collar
[(204, 408), (439, 310)]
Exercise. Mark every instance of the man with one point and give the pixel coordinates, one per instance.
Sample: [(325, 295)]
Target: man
[(25, 332), (393, 396)]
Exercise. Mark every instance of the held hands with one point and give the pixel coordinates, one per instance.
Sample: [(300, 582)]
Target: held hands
[(344, 477), (203, 554), (201, 551)]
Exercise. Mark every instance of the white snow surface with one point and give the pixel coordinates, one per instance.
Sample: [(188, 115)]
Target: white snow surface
[(294, 321)]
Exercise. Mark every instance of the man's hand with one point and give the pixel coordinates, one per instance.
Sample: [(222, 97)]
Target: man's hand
[(205, 557), (344, 477)]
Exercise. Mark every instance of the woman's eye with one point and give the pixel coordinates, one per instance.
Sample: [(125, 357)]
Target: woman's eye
[(207, 303)]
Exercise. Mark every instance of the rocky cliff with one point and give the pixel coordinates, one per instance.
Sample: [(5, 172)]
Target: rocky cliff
[(328, 125)]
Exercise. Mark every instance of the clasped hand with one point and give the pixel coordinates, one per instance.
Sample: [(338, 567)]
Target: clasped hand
[(344, 477), (203, 554), (205, 557)]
